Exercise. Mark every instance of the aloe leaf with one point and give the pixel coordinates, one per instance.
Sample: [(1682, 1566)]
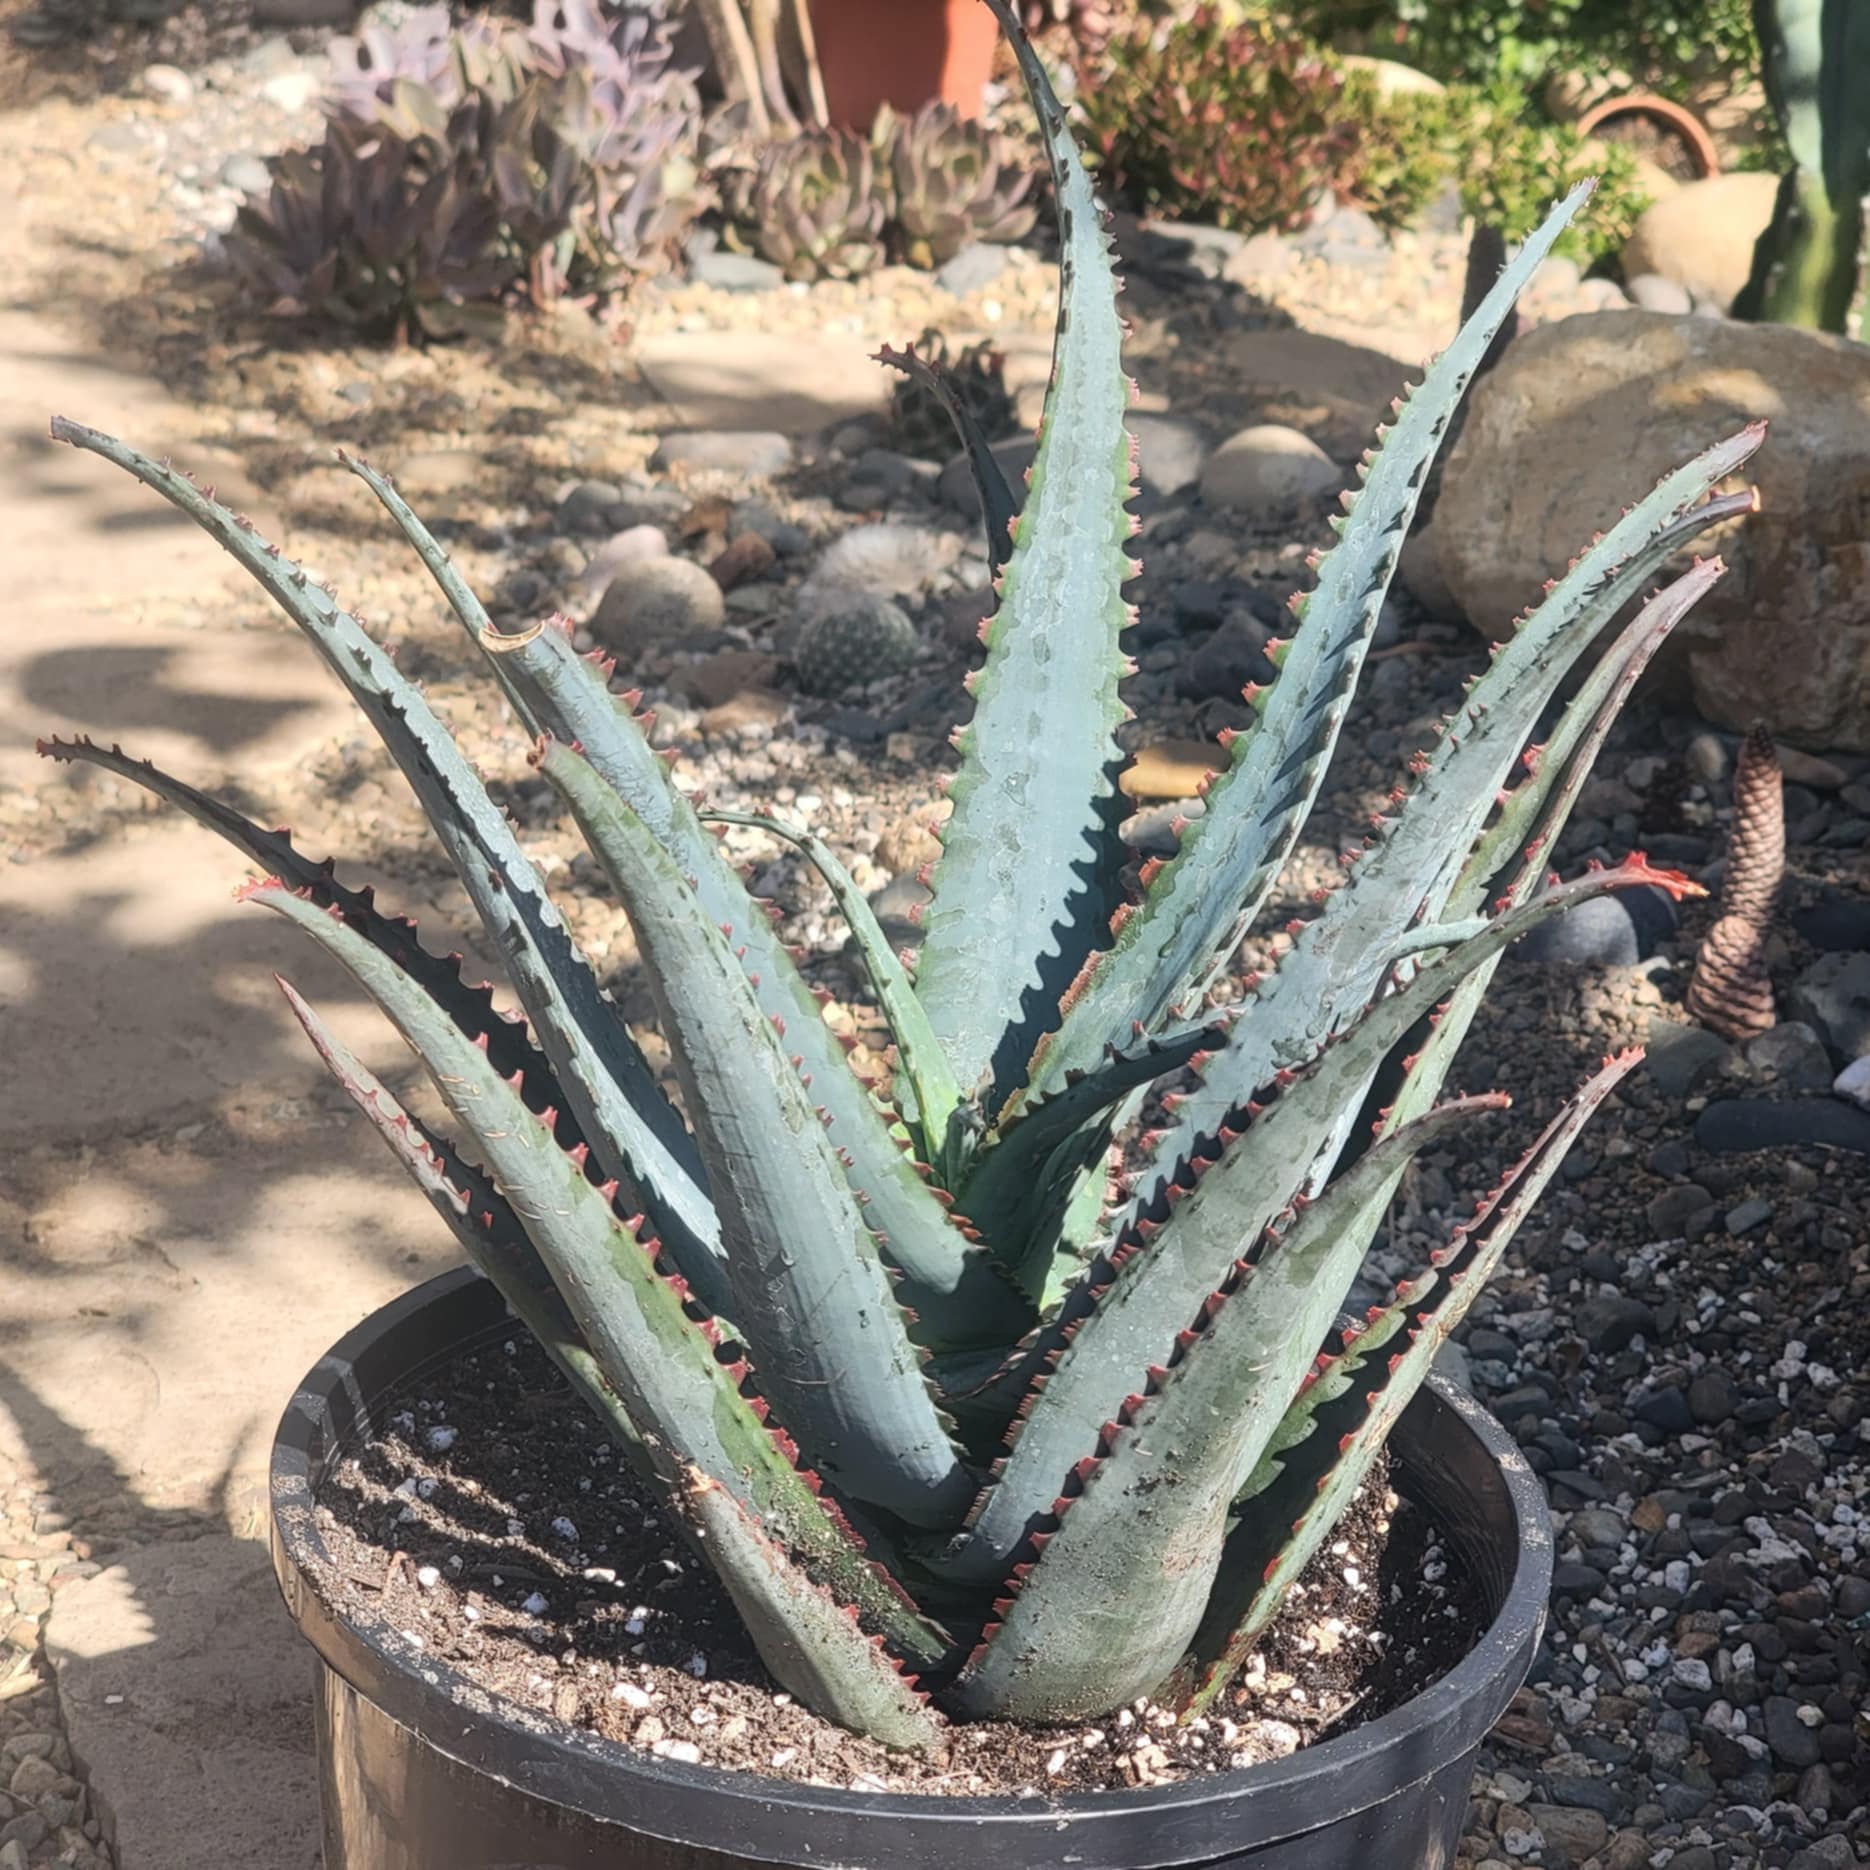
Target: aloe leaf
[(1130, 1550), (461, 599), (1125, 1312), (954, 1288), (1204, 896), (1546, 799), (1011, 1180), (482, 1222), (999, 504), (1535, 812), (509, 1046), (1027, 878), (811, 1288), (1339, 1424), (924, 1064), (1408, 873), (1557, 769), (673, 1371), (812, 1644), (621, 1109)]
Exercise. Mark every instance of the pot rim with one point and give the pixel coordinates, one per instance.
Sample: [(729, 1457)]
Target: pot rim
[(1678, 117), (609, 1780)]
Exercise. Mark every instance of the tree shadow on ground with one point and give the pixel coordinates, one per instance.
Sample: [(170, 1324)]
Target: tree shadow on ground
[(180, 1681)]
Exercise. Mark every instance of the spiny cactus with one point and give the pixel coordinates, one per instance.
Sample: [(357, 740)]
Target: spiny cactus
[(1732, 992), (816, 205), (953, 182), (1090, 1428), (860, 641)]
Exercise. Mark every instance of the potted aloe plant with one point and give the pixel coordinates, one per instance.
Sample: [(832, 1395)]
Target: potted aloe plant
[(967, 1428)]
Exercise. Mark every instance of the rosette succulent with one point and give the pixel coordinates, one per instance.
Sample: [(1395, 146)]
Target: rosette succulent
[(566, 151), (816, 205), (953, 1411), (373, 233), (954, 182)]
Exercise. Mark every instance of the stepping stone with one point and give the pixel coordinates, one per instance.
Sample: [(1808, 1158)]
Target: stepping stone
[(795, 383)]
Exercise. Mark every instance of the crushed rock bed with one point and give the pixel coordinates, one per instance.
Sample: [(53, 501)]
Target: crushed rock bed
[(491, 1528)]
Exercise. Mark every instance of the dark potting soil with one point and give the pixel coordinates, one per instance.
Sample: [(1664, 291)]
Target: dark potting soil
[(492, 1528)]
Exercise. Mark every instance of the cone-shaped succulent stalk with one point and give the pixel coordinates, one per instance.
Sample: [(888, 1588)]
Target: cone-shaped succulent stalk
[(1091, 1429), (1731, 991)]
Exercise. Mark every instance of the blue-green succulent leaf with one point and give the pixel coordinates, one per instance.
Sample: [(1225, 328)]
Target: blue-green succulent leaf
[(1129, 1552), (672, 1370), (1200, 901), (1124, 1314), (811, 1290), (1335, 1427), (957, 1294), (1027, 878), (631, 1126)]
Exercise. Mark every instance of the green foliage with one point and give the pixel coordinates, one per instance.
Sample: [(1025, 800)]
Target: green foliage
[(462, 165), (1505, 165), (1512, 166), (1221, 118), (1408, 149), (1058, 1405), (1518, 42)]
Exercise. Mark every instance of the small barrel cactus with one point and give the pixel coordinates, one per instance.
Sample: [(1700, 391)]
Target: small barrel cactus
[(955, 183), (860, 641), (816, 206)]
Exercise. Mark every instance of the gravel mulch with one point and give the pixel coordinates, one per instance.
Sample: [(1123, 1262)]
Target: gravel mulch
[(45, 1810)]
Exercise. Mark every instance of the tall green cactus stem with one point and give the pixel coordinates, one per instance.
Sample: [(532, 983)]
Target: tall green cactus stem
[(1808, 264), (940, 1420)]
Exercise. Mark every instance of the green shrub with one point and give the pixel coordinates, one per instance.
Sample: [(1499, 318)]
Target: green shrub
[(1220, 119), (1407, 150), (1510, 168), (1520, 41), (1506, 165)]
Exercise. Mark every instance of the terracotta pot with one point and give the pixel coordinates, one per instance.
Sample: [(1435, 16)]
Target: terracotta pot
[(1666, 114), (903, 54)]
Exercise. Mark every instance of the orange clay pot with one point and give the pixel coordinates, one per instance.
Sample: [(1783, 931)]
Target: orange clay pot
[(903, 53), (1665, 113)]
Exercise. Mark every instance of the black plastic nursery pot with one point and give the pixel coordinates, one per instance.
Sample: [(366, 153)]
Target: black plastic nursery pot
[(422, 1771)]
